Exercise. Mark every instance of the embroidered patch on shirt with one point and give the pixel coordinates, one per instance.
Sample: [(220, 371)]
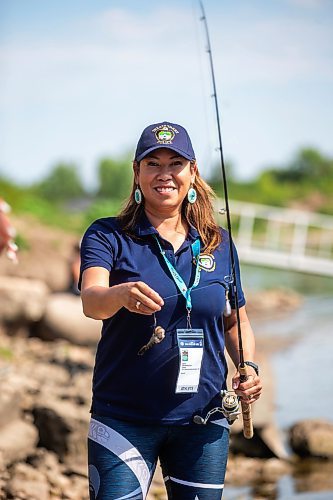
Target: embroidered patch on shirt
[(207, 262)]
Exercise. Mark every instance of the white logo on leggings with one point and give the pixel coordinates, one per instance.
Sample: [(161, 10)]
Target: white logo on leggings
[(98, 432), (120, 446)]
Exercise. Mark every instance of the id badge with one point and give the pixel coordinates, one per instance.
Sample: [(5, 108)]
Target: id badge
[(190, 344)]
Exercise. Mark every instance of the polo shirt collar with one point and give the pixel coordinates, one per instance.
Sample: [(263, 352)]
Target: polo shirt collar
[(145, 228), (193, 233)]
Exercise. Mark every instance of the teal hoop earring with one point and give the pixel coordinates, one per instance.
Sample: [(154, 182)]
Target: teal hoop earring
[(192, 195), (137, 195)]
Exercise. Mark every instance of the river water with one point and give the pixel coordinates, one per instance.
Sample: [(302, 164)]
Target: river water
[(304, 385)]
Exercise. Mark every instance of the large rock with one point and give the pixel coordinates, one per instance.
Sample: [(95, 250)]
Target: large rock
[(273, 469), (4, 476), (267, 441), (64, 482), (64, 319), (22, 300), (10, 398), (17, 440), (312, 438), (63, 428), (27, 483), (45, 255), (313, 475), (243, 471)]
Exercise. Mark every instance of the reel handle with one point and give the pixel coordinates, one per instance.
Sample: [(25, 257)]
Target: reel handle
[(246, 408)]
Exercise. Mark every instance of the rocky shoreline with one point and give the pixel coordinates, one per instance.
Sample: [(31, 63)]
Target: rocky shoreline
[(46, 359), (45, 374)]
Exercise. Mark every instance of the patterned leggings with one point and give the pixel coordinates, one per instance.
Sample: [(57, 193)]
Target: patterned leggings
[(122, 458)]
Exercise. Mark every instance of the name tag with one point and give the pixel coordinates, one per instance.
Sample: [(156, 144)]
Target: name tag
[(190, 344)]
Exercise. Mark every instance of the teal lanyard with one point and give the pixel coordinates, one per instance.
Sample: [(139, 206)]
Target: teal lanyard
[(186, 292)]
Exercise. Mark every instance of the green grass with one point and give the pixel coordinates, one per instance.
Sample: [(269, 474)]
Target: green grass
[(6, 353)]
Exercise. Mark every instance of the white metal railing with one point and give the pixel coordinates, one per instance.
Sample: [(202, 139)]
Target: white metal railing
[(282, 237)]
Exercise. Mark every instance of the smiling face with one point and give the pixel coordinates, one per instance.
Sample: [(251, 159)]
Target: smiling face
[(164, 178)]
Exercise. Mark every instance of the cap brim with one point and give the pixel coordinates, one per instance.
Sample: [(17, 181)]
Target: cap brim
[(167, 146)]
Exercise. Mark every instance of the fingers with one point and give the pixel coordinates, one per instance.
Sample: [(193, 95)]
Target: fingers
[(248, 391), (142, 299)]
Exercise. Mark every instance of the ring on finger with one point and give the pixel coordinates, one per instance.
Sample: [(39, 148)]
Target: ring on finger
[(137, 305)]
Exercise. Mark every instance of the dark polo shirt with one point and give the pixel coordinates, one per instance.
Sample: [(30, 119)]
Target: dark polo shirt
[(142, 388)]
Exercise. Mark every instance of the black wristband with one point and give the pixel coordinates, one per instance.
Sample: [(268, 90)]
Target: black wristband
[(253, 365)]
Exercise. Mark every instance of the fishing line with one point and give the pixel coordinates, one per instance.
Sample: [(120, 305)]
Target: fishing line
[(225, 286), (208, 118)]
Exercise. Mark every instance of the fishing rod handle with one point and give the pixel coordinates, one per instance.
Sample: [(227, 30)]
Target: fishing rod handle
[(246, 408)]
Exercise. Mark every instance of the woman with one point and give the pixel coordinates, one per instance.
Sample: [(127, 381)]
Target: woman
[(159, 276)]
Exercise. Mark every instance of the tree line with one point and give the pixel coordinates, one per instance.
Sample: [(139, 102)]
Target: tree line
[(305, 181)]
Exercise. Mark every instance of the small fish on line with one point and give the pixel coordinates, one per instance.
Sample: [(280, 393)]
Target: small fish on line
[(157, 337)]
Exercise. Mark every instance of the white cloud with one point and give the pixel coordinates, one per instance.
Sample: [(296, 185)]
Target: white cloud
[(127, 49)]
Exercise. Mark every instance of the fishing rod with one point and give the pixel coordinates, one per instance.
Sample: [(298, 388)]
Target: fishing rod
[(246, 408)]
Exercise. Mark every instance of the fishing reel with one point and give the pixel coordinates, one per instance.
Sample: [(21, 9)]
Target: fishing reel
[(229, 408)]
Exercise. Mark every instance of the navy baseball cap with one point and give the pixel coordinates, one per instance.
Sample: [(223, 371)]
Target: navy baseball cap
[(164, 135)]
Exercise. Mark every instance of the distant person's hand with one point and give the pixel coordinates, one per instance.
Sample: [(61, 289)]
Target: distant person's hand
[(7, 233)]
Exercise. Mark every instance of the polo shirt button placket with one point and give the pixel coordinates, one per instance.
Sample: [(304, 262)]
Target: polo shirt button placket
[(171, 257)]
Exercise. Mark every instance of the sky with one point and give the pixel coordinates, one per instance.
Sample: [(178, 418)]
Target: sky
[(79, 80)]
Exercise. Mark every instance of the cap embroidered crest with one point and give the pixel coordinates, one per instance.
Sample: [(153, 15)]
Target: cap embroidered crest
[(165, 135)]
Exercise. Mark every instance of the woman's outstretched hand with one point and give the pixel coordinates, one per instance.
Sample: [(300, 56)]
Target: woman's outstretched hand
[(139, 298), (100, 301)]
